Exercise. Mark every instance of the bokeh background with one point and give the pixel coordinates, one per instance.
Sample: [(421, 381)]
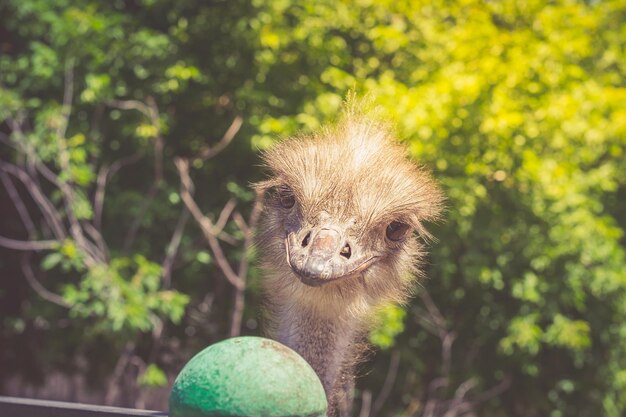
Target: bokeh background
[(130, 132)]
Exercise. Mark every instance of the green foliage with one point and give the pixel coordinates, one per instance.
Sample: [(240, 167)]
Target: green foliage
[(125, 294), (68, 257), (519, 108), (390, 323), (153, 376)]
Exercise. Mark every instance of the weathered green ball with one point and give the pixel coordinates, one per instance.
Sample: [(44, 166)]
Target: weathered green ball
[(247, 376)]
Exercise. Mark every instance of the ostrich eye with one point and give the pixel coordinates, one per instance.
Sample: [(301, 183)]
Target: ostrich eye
[(396, 231), (286, 198)]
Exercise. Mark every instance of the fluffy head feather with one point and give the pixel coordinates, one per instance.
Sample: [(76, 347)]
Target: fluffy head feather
[(358, 176)]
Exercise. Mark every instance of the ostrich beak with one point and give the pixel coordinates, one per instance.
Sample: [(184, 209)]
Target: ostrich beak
[(324, 255)]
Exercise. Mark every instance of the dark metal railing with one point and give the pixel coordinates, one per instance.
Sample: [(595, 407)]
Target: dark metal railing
[(25, 407)]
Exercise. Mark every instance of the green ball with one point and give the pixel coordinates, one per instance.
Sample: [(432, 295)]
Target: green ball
[(247, 376)]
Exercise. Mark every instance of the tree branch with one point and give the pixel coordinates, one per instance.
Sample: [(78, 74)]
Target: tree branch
[(136, 224), (53, 218), (230, 134), (244, 263), (493, 391), (224, 216), (205, 224), (152, 111), (462, 402), (118, 372), (97, 238), (366, 403), (68, 93), (435, 314), (390, 379), (6, 139), (29, 245), (22, 211), (94, 255), (104, 174), (130, 105), (37, 287), (458, 402), (172, 247)]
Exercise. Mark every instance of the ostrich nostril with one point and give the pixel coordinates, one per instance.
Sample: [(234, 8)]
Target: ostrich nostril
[(346, 251), (305, 242)]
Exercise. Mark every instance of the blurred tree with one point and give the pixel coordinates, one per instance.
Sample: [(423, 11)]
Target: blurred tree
[(519, 108)]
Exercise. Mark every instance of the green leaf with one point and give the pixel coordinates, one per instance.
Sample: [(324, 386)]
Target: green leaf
[(51, 260), (389, 324), (153, 376)]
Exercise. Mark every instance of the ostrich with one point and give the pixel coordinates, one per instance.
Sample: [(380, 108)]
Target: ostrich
[(336, 241)]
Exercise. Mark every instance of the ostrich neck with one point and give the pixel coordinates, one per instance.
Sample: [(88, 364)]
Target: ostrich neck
[(326, 343)]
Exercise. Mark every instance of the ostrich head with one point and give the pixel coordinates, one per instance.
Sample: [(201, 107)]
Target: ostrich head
[(343, 214)]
